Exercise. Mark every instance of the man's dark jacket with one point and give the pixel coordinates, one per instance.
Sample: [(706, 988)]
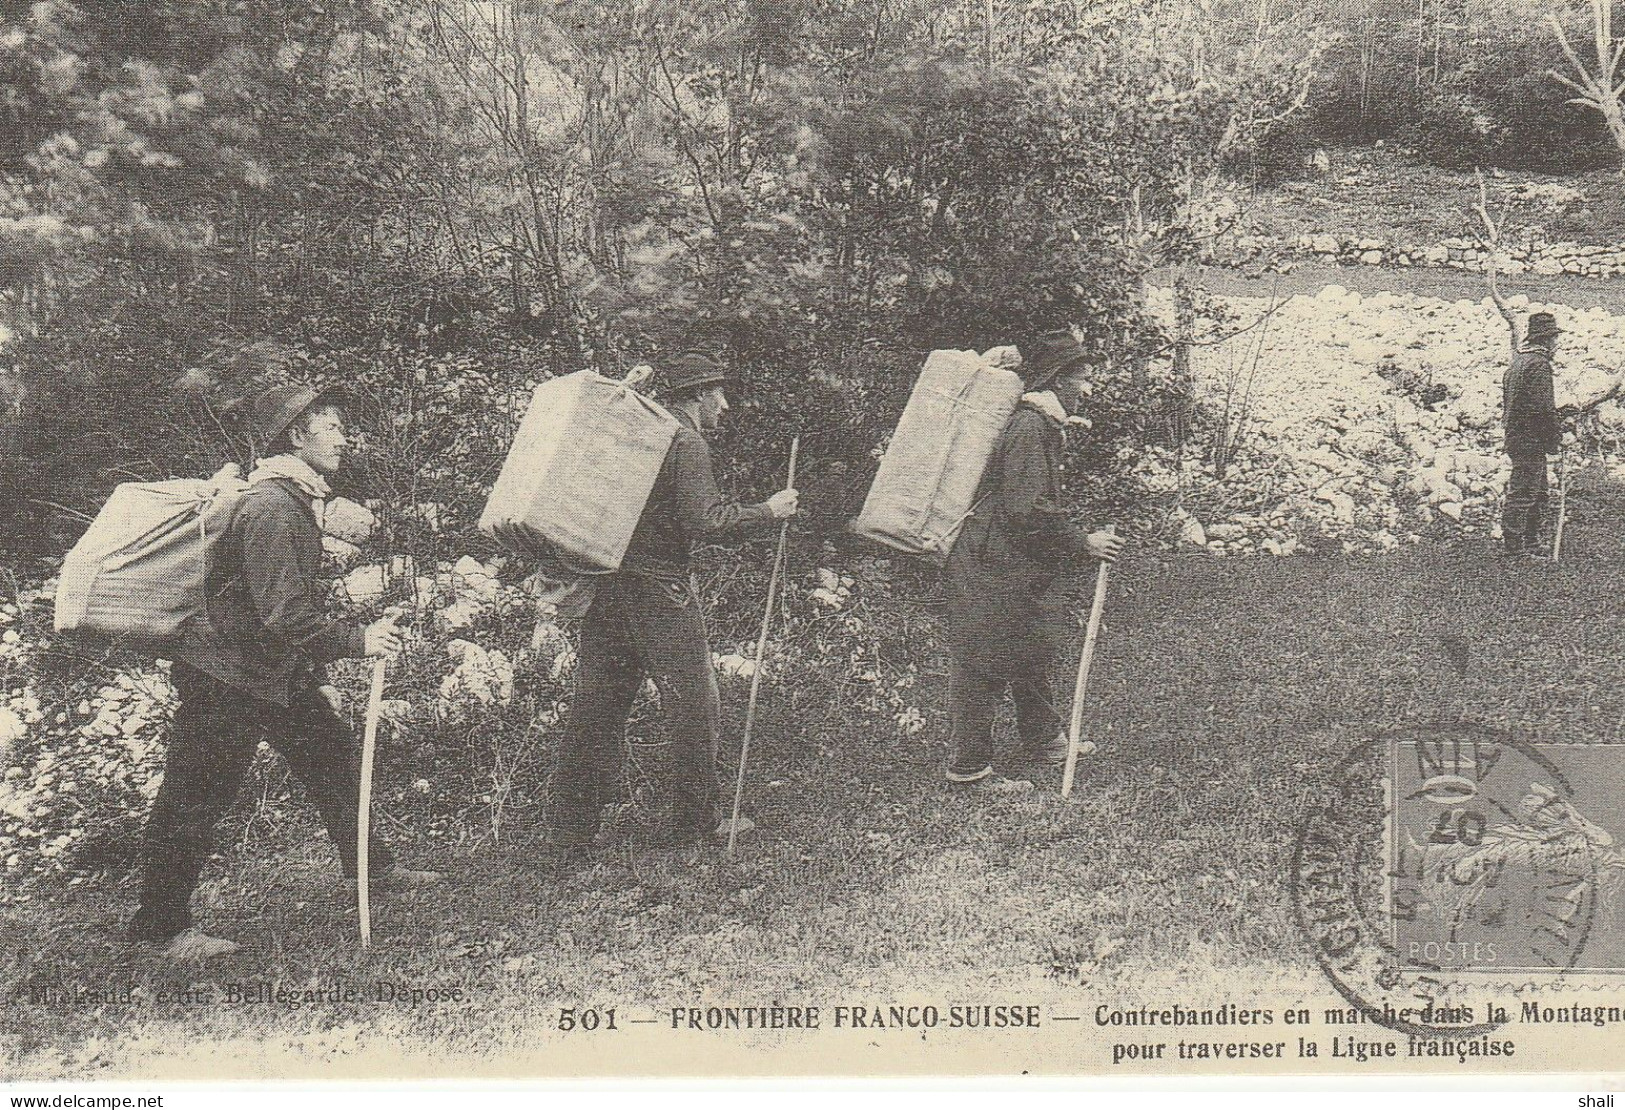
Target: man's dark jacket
[(1001, 618), (1529, 406), (264, 630), (685, 506)]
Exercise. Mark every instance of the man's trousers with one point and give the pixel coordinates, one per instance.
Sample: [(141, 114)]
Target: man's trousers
[(1526, 502), (973, 701), (212, 742), (639, 626)]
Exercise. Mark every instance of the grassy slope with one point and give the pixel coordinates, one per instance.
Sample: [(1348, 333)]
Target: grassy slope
[(1222, 689)]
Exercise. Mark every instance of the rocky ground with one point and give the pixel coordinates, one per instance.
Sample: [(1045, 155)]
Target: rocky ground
[(1387, 199), (1368, 421)]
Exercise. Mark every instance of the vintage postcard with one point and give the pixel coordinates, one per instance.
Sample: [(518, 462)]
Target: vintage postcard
[(581, 538)]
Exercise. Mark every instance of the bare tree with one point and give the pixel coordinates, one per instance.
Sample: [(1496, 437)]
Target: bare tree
[(1495, 233), (1494, 230), (1600, 86), (1269, 60)]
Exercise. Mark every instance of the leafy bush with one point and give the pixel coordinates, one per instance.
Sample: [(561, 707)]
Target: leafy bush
[(827, 216), (1503, 115), (79, 749), (825, 191)]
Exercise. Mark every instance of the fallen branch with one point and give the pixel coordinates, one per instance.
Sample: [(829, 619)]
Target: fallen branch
[(1220, 340)]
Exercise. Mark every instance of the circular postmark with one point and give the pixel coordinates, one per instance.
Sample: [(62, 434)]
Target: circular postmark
[(1432, 854)]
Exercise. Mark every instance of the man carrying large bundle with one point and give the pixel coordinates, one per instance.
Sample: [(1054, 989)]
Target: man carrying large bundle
[(1532, 433), (645, 622), (1003, 627), (247, 670)]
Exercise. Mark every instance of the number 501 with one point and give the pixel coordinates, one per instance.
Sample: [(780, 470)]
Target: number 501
[(589, 1020)]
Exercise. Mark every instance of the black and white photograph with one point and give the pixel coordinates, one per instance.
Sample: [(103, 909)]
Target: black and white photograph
[(711, 539)]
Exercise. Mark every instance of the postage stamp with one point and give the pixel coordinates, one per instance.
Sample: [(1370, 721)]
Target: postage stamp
[(1503, 856), (1452, 883)]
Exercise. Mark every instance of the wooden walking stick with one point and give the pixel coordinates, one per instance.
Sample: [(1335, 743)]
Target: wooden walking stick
[(369, 738), (761, 652), (1073, 733), (1562, 505)]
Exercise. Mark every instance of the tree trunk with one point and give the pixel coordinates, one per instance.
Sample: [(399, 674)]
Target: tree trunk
[(11, 461), (1184, 343), (1616, 129)]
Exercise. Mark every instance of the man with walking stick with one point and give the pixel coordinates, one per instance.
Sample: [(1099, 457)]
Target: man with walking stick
[(248, 669), (644, 621), (1004, 626), (1532, 433)]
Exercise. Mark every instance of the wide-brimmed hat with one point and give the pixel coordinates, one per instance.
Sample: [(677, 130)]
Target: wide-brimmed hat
[(692, 371), (1049, 356), (1542, 325), (270, 414)]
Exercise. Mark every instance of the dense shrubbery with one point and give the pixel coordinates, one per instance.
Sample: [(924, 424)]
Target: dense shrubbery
[(824, 215), (439, 204), (1463, 89), (190, 204), (472, 707), (335, 193), (1502, 112)]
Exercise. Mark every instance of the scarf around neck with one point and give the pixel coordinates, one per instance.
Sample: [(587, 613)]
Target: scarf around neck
[(1047, 403), (297, 471)]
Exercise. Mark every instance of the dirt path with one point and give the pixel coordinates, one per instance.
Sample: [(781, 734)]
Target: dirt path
[(1311, 277)]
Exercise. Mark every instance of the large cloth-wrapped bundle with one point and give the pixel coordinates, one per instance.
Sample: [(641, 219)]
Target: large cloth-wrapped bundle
[(926, 487), (139, 572), (579, 474)]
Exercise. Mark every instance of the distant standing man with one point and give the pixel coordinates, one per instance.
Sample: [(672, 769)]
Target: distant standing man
[(248, 669), (1004, 625), (1532, 433), (644, 621)]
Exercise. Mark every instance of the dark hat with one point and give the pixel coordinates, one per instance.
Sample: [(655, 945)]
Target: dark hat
[(1542, 325), (693, 370), (1048, 357), (272, 411)]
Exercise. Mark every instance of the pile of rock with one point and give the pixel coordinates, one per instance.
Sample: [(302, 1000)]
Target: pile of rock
[(1531, 254), (1372, 421)]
